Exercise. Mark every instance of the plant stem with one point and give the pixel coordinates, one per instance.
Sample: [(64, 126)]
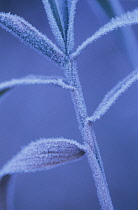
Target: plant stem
[(88, 135), (95, 162), (99, 178)]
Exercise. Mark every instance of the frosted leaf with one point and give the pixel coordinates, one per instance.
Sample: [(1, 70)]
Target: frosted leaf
[(37, 156), (111, 97), (42, 155), (64, 8), (114, 8), (70, 32), (31, 36), (56, 21), (33, 80), (61, 18), (126, 19)]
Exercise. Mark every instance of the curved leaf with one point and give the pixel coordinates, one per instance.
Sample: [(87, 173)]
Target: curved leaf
[(42, 155), (28, 34), (111, 97), (37, 156), (127, 34), (126, 19), (33, 80)]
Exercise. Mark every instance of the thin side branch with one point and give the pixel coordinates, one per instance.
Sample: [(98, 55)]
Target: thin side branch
[(127, 19), (34, 80), (111, 97)]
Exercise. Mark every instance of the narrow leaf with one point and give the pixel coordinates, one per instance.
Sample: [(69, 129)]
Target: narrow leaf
[(70, 32), (42, 155), (33, 80), (64, 8), (31, 36), (113, 95), (56, 21), (126, 19), (114, 8)]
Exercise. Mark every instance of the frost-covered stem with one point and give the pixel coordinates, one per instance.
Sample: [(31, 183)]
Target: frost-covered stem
[(90, 139), (95, 162), (71, 75), (101, 186), (88, 135)]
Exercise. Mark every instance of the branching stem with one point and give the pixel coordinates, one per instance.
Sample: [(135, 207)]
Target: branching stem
[(88, 135)]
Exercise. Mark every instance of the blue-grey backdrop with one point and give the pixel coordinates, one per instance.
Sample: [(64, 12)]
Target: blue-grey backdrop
[(29, 113)]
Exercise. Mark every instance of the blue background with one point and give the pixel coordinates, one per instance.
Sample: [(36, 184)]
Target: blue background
[(30, 113)]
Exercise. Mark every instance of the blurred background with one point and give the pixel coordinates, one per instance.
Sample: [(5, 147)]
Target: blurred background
[(30, 113)]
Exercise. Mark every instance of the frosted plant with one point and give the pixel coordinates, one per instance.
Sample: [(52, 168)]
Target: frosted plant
[(45, 154)]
